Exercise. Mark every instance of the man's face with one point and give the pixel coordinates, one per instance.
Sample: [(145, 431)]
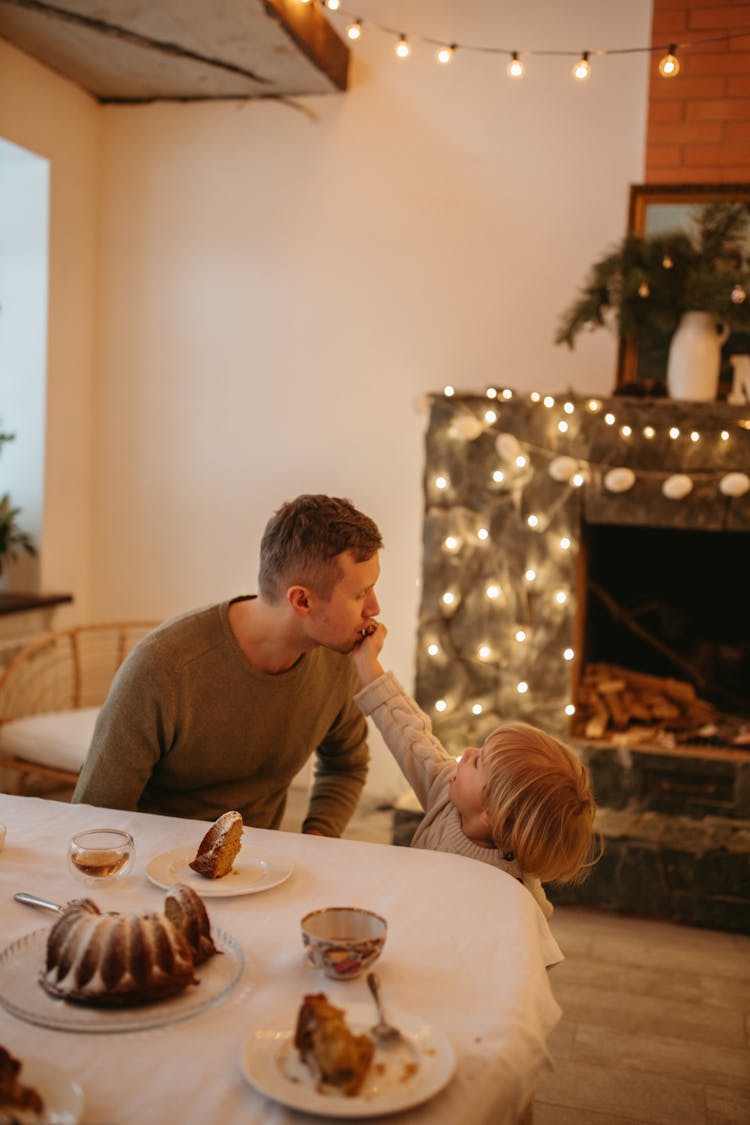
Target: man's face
[(338, 622)]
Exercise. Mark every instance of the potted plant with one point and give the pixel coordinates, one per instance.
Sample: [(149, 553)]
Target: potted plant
[(690, 286), (12, 538)]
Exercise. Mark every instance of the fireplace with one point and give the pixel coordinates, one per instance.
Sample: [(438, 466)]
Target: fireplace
[(668, 604), (570, 538)]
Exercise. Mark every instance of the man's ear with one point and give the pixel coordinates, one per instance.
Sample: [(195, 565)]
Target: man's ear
[(298, 598)]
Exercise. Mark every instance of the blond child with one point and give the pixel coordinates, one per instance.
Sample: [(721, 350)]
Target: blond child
[(521, 802)]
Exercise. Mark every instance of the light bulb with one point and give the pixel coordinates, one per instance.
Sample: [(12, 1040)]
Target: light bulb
[(582, 69), (569, 408), (565, 543), (669, 66), (403, 50), (570, 709), (484, 652), (649, 432), (493, 591), (516, 69), (725, 435), (674, 432), (568, 654), (444, 54), (334, 5), (695, 436), (522, 687), (626, 431), (433, 649), (441, 705), (449, 391), (451, 543), (562, 427), (477, 709), (610, 419), (520, 636), (491, 392), (441, 482), (507, 393), (483, 533), (561, 597), (448, 598), (490, 417), (498, 476), (354, 30), (548, 401), (530, 574)]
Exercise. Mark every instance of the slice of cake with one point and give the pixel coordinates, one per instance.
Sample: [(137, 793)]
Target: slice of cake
[(327, 1046), (14, 1096), (220, 846)]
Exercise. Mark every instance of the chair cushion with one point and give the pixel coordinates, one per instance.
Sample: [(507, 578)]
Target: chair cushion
[(59, 738)]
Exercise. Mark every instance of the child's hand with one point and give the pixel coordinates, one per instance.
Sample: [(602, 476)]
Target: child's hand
[(366, 652)]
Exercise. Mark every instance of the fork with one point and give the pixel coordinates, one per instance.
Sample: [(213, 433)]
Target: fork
[(382, 1030)]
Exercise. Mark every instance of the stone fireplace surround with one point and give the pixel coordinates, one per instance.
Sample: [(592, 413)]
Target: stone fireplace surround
[(675, 823)]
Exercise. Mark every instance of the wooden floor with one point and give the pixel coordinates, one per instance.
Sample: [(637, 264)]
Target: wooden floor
[(655, 1028)]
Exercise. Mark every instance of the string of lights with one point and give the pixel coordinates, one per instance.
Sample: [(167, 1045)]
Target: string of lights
[(505, 476), (445, 52)]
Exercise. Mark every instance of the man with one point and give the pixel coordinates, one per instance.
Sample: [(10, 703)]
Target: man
[(218, 709)]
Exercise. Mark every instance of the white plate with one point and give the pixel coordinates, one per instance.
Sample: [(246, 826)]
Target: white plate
[(271, 1064), (62, 1097), (255, 869), (22, 961)]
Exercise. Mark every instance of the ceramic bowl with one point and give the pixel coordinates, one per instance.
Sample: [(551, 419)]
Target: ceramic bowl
[(343, 940)]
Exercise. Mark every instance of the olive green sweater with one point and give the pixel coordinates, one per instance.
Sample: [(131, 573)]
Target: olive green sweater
[(191, 729)]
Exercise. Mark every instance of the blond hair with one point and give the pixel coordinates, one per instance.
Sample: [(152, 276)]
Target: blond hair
[(539, 803)]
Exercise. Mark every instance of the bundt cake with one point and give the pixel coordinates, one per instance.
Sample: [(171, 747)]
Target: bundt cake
[(126, 959), (220, 846), (327, 1046), (15, 1098)]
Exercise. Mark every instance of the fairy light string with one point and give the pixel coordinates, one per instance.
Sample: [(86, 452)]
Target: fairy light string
[(670, 63), (504, 492)]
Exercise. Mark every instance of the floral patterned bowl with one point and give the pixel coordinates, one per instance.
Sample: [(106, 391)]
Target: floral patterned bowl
[(343, 940)]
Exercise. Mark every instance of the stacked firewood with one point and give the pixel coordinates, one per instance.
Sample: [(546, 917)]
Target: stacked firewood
[(612, 699)]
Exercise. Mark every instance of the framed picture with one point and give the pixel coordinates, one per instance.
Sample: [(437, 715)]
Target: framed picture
[(655, 209)]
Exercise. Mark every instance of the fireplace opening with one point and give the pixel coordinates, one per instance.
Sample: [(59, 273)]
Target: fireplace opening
[(663, 633)]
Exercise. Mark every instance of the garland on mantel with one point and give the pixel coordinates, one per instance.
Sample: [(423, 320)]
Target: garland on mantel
[(569, 467)]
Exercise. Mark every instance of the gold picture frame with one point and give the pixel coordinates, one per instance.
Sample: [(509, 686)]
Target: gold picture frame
[(655, 209)]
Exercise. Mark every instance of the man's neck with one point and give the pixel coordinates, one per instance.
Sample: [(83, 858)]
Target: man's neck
[(269, 641)]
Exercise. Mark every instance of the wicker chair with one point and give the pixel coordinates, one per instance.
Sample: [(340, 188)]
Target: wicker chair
[(50, 695)]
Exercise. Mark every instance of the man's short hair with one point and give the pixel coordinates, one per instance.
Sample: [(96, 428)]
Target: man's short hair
[(303, 538)]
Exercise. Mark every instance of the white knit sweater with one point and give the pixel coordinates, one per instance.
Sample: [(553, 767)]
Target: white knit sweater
[(428, 767)]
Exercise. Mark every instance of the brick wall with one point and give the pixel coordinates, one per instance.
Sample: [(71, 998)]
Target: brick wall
[(699, 121)]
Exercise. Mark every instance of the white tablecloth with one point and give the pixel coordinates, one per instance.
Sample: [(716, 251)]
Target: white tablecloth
[(467, 949)]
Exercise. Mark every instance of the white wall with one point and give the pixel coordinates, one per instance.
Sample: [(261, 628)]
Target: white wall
[(46, 115), (279, 287), (24, 239)]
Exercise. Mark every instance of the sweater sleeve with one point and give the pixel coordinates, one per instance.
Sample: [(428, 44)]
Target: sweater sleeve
[(340, 770), (129, 736), (407, 732)]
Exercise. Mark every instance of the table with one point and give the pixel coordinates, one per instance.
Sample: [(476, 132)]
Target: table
[(467, 949)]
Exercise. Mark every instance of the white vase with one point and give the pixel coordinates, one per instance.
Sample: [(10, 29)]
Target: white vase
[(695, 357)]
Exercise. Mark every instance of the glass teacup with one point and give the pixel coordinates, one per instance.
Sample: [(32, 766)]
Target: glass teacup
[(99, 854)]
